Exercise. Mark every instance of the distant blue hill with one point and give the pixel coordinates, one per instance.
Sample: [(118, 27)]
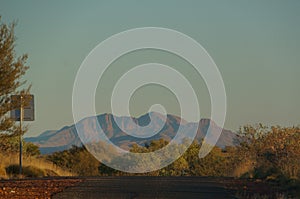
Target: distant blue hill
[(52, 141)]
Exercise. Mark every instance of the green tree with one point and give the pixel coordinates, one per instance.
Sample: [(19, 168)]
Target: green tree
[(12, 69), (30, 149), (77, 160)]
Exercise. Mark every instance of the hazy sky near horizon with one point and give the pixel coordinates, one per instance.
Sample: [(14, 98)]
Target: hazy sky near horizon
[(255, 45)]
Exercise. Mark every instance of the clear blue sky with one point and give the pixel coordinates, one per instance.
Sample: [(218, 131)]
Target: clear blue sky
[(255, 44)]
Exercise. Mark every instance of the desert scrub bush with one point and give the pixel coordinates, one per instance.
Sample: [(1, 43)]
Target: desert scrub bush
[(2, 173), (27, 171)]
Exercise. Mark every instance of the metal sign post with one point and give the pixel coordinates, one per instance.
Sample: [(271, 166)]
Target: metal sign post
[(24, 112), (21, 144)]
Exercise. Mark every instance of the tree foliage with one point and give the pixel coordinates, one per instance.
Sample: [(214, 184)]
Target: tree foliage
[(273, 151), (12, 69), (263, 153), (77, 160)]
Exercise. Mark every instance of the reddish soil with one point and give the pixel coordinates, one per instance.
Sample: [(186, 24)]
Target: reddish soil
[(34, 188), (115, 187)]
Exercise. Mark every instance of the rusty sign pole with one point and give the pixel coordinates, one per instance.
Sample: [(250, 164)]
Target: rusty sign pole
[(21, 144)]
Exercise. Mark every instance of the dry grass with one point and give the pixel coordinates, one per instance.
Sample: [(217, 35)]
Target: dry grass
[(242, 168), (39, 162)]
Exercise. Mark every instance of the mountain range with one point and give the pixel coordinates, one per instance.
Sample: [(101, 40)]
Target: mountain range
[(51, 141)]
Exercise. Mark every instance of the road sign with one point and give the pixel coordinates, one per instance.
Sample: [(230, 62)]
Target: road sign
[(28, 109)]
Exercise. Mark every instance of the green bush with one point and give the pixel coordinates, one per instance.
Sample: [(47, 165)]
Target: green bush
[(77, 160), (28, 171), (266, 172)]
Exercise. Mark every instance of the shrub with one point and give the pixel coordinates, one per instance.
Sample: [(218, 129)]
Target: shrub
[(2, 173), (28, 171)]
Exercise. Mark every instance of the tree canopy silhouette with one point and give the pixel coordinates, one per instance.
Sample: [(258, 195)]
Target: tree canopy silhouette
[(12, 69)]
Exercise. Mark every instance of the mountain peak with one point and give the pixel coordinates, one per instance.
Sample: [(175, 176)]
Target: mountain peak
[(165, 127)]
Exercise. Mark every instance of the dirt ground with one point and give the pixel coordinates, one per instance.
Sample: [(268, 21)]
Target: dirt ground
[(130, 187), (34, 188)]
